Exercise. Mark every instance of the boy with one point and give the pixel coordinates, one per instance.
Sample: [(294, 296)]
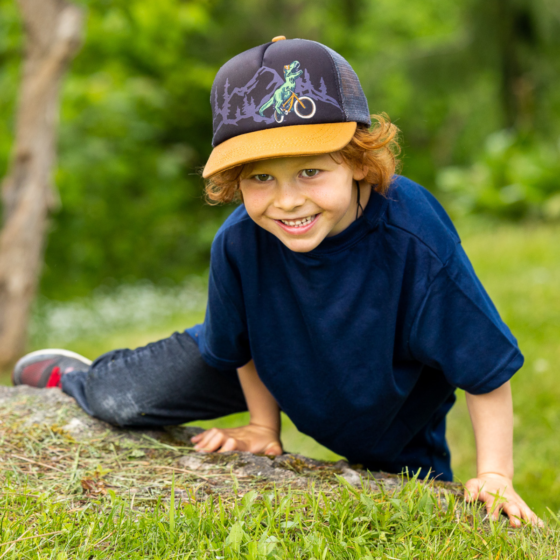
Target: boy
[(338, 292)]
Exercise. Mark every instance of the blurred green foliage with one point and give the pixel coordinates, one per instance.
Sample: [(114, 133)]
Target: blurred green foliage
[(513, 177), (472, 84)]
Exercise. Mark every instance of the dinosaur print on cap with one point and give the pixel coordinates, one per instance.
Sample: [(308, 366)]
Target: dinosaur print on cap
[(284, 99)]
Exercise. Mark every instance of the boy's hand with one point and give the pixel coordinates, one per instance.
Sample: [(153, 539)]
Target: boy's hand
[(253, 438), (497, 493)]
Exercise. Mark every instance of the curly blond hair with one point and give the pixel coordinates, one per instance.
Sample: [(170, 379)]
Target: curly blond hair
[(375, 148)]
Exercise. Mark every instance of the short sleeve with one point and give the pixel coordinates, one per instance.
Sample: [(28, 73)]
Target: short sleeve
[(222, 339), (459, 331)]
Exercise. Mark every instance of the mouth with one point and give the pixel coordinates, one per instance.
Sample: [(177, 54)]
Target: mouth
[(298, 225)]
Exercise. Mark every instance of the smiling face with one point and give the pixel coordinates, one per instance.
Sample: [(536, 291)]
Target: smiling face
[(302, 200)]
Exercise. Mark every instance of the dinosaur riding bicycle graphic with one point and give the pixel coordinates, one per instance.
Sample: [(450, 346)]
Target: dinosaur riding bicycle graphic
[(285, 99)]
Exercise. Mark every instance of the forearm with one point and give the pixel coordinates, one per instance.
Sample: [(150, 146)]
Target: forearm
[(262, 406), (492, 419)]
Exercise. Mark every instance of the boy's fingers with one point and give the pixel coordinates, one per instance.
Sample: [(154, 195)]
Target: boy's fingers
[(514, 514), (528, 514), (472, 490), (493, 505), (205, 437), (492, 508), (535, 519), (213, 435), (485, 498), (216, 441), (213, 443), (206, 434), (514, 507), (201, 436), (470, 496), (229, 445), (273, 448)]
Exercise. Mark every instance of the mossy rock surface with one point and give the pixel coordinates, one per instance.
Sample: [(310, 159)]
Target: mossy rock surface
[(50, 444)]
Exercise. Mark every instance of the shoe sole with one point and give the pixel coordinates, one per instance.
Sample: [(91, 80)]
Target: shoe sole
[(59, 351), (67, 353)]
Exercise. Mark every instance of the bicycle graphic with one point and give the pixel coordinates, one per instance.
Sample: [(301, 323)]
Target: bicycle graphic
[(303, 106), (284, 99)]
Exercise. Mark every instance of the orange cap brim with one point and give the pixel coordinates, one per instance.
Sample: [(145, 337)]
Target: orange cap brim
[(285, 141)]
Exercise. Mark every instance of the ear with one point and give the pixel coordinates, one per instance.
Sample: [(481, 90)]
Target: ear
[(360, 173)]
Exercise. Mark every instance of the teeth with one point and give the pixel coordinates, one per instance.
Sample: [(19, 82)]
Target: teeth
[(298, 223)]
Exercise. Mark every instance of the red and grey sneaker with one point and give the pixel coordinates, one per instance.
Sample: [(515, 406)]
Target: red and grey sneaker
[(45, 368)]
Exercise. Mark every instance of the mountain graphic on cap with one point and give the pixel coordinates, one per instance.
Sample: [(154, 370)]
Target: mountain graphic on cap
[(231, 107)]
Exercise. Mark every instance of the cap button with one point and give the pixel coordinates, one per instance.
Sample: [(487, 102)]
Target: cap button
[(279, 38)]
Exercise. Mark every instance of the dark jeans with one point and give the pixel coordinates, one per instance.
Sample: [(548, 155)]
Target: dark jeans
[(164, 383)]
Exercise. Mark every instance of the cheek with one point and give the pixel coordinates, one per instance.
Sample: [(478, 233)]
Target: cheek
[(255, 201), (336, 201)]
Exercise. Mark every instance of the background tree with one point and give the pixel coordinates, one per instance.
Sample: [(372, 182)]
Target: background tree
[(53, 31)]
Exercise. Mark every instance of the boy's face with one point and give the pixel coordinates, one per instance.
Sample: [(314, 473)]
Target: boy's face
[(301, 200)]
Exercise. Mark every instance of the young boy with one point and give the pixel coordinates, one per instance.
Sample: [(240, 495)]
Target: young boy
[(338, 292)]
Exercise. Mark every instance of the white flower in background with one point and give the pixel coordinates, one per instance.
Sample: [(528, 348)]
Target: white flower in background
[(128, 306)]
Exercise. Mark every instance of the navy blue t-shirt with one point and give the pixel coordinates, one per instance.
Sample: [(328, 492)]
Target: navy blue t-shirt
[(363, 340)]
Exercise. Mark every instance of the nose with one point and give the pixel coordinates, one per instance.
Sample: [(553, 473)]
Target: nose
[(288, 196)]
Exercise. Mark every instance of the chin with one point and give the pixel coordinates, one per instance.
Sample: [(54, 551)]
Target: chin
[(300, 245)]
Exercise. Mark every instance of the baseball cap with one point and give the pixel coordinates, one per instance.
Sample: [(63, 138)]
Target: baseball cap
[(288, 97)]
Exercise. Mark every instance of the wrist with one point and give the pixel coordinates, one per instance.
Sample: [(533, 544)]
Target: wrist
[(272, 427), (497, 464), (503, 473)]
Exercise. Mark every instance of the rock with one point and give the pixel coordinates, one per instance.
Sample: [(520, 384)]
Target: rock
[(352, 477), (194, 462), (287, 468), (75, 427), (84, 454)]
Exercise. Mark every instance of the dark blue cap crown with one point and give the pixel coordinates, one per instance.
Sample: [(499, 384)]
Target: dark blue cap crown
[(285, 83)]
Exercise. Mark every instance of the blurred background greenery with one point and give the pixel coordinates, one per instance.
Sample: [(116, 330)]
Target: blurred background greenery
[(474, 86)]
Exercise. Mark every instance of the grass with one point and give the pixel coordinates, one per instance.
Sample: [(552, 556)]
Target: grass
[(409, 523), (520, 268)]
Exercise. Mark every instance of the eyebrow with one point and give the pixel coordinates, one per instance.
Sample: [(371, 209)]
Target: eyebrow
[(301, 165)]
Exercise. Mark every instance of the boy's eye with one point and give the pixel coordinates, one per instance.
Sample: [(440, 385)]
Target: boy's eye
[(262, 177), (309, 173)]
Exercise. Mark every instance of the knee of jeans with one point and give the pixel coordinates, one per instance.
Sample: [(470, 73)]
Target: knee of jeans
[(117, 410)]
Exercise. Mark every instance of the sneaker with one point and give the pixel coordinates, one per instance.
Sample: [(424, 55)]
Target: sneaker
[(45, 368)]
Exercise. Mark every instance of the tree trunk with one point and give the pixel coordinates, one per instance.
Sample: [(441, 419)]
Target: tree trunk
[(515, 32), (53, 31)]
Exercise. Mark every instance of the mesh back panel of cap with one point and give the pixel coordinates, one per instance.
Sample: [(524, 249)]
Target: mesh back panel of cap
[(353, 99)]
